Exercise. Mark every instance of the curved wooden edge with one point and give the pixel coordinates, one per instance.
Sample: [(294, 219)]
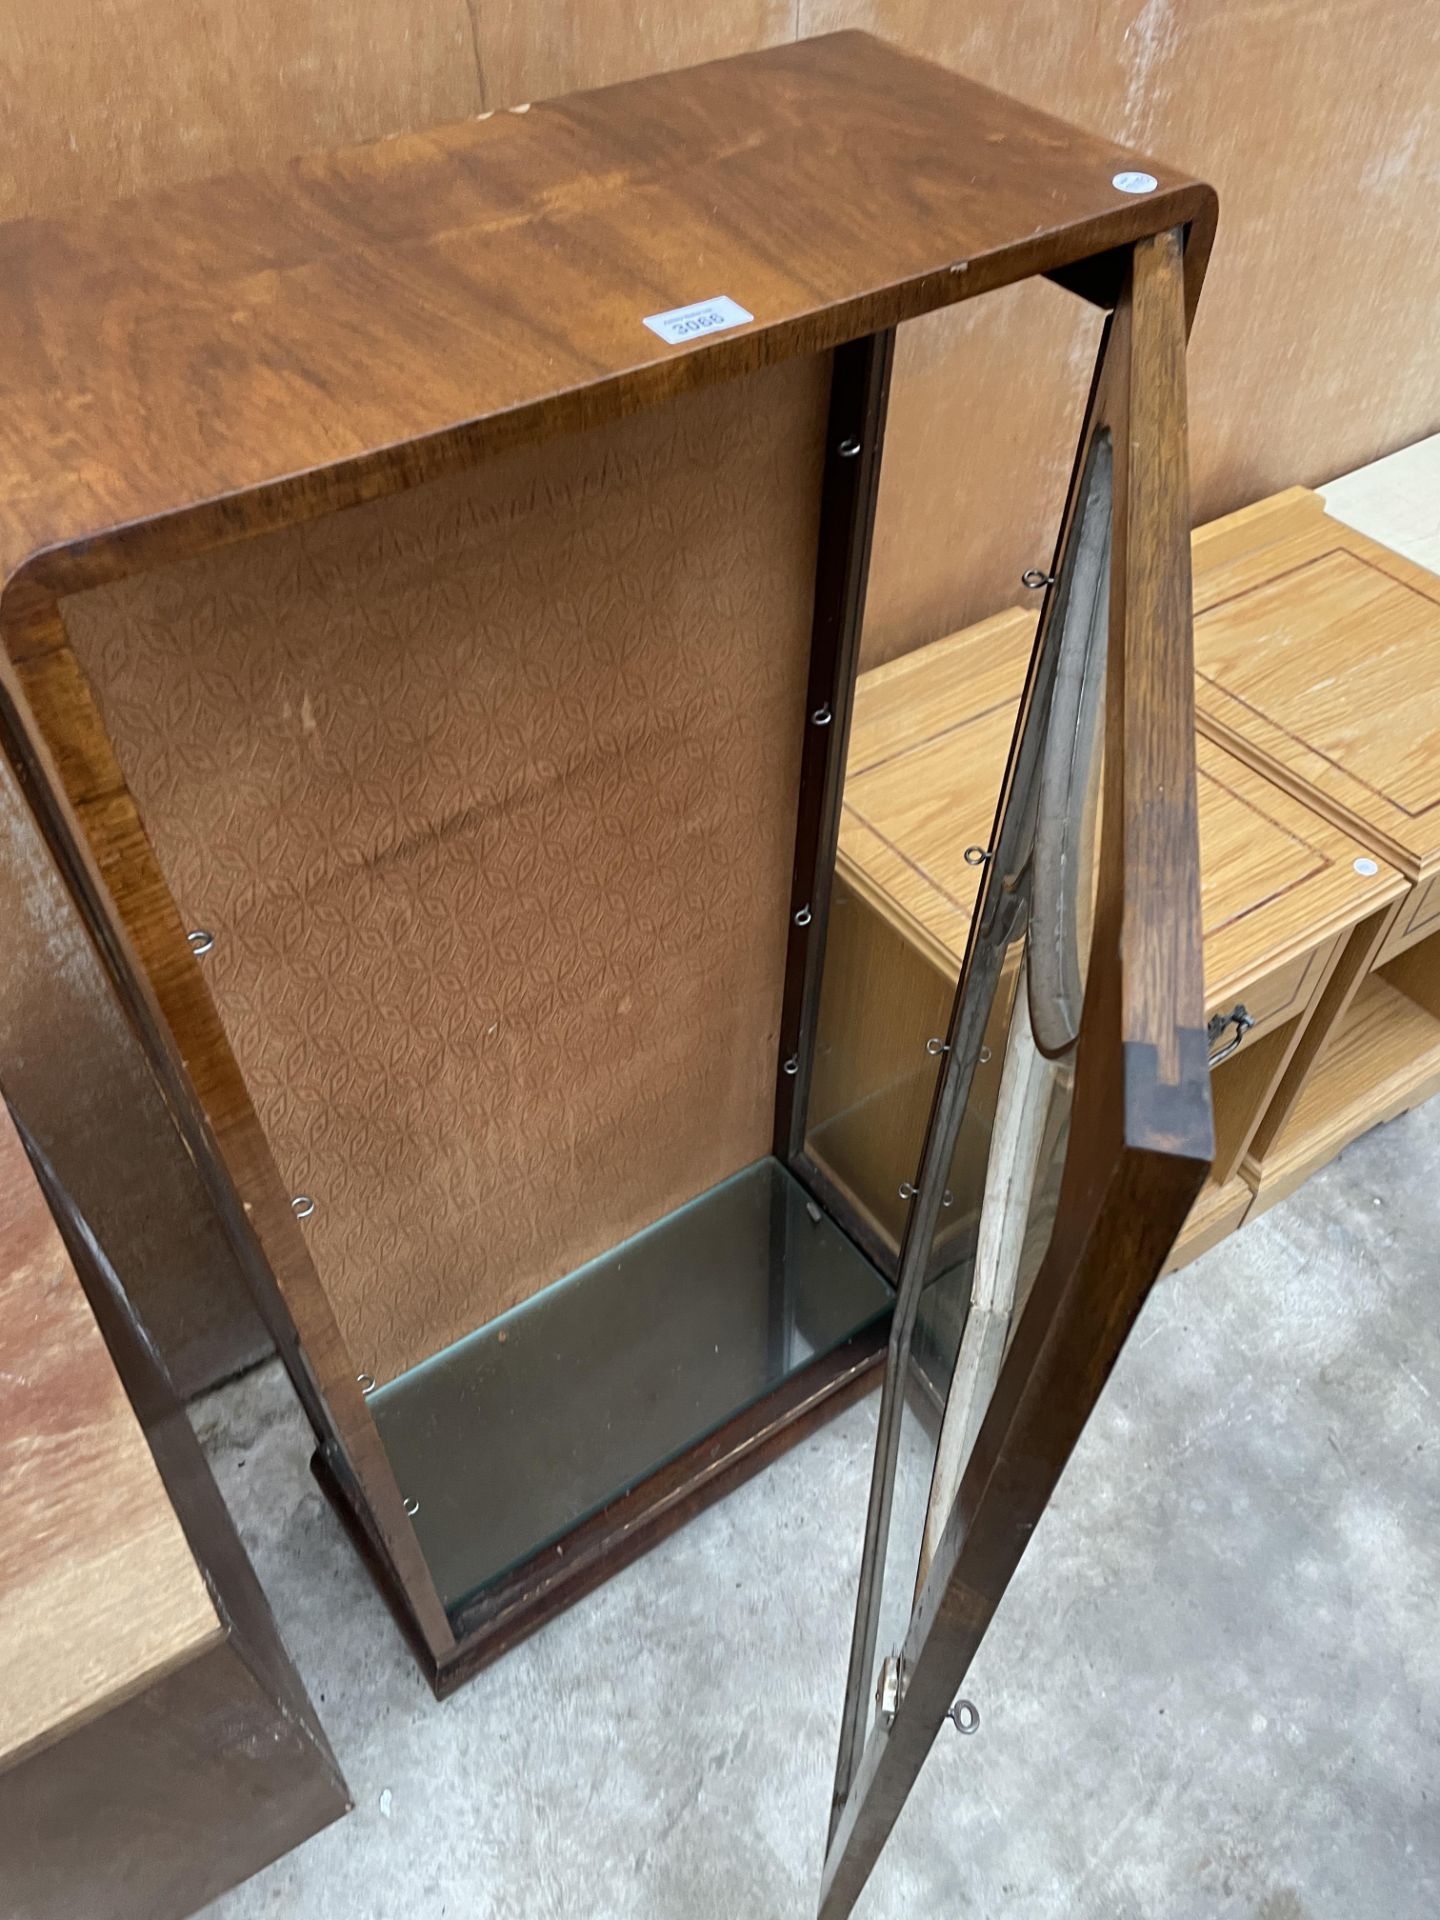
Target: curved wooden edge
[(96, 559), (91, 827), (1053, 210), (1199, 242)]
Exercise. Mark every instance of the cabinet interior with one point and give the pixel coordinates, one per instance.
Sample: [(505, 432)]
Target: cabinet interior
[(485, 797)]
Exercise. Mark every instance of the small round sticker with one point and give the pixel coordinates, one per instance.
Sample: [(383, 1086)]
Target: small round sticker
[(1135, 182), (1367, 867)]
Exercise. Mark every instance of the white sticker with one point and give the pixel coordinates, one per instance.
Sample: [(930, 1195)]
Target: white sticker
[(1135, 182), (1367, 867), (683, 324)]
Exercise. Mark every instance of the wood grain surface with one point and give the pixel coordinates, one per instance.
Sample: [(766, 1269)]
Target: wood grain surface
[(1349, 967), (175, 1796), (99, 1593), (1315, 651), (1417, 919), (1381, 1059), (1218, 1212), (144, 93), (1278, 892), (1304, 129), (156, 1744), (137, 94), (224, 356), (223, 361), (928, 750), (1315, 657), (218, 361)]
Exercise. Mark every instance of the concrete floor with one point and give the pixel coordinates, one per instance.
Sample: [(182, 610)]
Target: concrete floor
[(1214, 1688)]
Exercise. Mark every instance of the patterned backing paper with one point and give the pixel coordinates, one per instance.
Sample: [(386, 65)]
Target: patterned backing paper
[(487, 793)]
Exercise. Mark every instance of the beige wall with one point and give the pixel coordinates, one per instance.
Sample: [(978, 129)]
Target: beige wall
[(1318, 120)]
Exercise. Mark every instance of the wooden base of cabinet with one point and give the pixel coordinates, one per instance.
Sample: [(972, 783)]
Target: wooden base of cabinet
[(593, 1552), (1220, 1209), (1382, 1059)]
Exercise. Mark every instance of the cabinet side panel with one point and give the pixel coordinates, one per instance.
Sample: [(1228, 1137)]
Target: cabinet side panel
[(166, 1802), (73, 1070)]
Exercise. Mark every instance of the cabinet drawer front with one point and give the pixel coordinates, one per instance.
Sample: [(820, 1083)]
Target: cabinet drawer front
[(1418, 915), (1280, 995)]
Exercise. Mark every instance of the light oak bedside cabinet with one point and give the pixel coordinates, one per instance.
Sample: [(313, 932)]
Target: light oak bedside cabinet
[(1281, 899), (1317, 657)]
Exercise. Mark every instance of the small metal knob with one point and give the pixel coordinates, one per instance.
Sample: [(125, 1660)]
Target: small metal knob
[(302, 1206), (966, 1716), (201, 940)]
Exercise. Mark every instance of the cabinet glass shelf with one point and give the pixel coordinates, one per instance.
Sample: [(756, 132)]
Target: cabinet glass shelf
[(511, 1437)]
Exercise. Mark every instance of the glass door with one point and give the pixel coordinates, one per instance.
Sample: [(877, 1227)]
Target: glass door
[(1081, 995)]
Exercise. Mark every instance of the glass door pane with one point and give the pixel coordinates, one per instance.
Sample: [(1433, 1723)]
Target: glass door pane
[(974, 1226), (1100, 1134)]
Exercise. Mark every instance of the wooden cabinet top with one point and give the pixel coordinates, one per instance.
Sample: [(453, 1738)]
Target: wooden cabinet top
[(190, 367), (927, 753), (1317, 656), (99, 1592)]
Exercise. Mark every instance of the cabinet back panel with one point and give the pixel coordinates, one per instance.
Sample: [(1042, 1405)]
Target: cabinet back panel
[(488, 794)]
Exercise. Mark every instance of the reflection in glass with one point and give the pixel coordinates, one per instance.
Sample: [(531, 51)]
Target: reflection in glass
[(562, 1404)]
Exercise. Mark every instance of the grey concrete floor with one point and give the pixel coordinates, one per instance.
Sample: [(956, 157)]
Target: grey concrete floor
[(1213, 1689)]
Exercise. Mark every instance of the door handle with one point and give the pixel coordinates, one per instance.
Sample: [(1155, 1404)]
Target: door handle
[(1242, 1020)]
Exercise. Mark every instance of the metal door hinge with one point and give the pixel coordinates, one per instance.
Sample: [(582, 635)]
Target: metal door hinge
[(889, 1688), (890, 1691)]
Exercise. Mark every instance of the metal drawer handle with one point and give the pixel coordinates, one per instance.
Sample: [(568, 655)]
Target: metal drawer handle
[(1242, 1020)]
